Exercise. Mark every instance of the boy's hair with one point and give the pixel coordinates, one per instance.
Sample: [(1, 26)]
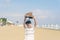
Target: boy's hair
[(29, 14)]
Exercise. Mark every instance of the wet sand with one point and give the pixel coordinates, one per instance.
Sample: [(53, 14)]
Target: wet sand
[(17, 33)]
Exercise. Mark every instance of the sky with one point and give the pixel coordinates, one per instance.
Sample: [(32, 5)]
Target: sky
[(46, 11)]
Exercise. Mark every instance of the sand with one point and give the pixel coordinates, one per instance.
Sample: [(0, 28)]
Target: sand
[(17, 33)]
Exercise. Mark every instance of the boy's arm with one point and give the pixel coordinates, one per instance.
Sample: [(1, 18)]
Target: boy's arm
[(35, 22), (24, 22)]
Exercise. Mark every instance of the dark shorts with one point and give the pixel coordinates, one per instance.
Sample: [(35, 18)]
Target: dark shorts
[(28, 22)]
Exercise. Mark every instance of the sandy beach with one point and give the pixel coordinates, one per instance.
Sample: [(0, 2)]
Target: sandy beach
[(17, 33)]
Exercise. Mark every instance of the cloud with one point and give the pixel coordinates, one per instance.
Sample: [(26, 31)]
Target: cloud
[(43, 14), (43, 17), (5, 3), (8, 1), (12, 14)]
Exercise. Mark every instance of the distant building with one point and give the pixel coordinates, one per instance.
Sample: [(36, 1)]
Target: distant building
[(9, 23), (51, 26)]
